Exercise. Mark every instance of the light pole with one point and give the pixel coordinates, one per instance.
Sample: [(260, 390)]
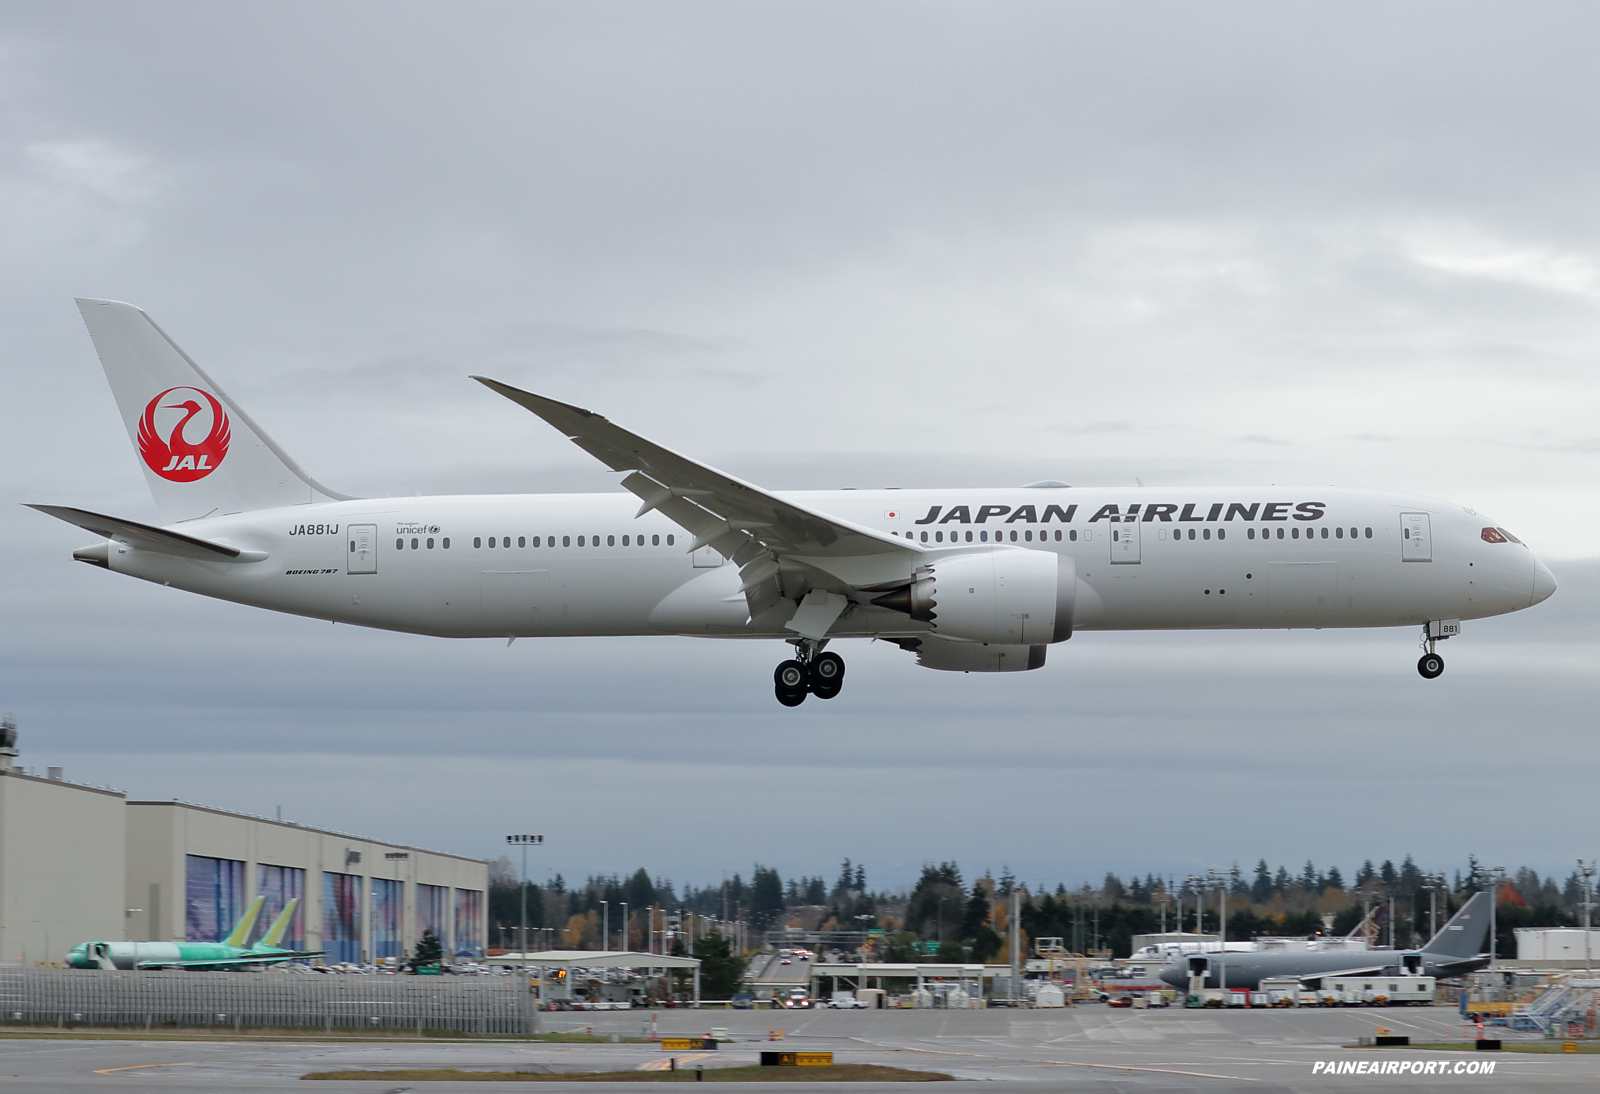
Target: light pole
[(624, 904), (525, 840), (1221, 881), (605, 924), (1587, 869), (1434, 883), (1494, 875)]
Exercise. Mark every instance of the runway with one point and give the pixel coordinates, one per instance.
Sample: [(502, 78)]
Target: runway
[(1088, 1048)]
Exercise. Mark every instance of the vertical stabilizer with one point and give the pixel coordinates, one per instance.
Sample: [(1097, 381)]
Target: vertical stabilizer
[(241, 930), (280, 925), (1466, 933), (201, 454)]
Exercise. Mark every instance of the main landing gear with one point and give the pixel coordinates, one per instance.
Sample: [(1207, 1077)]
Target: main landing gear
[(811, 672)]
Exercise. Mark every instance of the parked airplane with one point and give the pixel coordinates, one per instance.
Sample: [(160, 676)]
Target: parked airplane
[(230, 953), (968, 580), (1454, 951)]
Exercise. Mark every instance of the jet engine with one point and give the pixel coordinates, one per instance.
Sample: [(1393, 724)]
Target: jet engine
[(1005, 595)]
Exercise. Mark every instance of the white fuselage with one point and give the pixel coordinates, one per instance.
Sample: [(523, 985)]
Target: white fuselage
[(581, 564)]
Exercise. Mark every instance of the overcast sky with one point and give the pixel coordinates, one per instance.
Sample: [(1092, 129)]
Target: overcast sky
[(822, 245)]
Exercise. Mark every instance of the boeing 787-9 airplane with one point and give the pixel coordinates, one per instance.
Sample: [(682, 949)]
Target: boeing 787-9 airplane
[(971, 580)]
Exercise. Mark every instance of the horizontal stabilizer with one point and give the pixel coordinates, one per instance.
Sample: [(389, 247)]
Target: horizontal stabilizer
[(146, 537)]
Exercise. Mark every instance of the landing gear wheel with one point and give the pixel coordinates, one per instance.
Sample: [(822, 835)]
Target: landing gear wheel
[(789, 681), (791, 698), (826, 675), (1431, 666)]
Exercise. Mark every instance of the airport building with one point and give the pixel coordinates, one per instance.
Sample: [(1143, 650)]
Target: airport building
[(83, 863)]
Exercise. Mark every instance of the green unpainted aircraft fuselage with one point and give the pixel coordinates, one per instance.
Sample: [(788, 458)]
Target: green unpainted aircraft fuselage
[(230, 953)]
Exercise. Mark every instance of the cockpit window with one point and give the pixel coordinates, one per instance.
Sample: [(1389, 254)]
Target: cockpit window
[(1508, 535), (1492, 535)]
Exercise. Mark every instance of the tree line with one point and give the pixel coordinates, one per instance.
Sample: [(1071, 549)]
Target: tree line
[(943, 914)]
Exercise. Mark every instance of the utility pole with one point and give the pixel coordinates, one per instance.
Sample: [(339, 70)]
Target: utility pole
[(1016, 944), (1495, 875), (526, 840), (1587, 870), (1220, 878)]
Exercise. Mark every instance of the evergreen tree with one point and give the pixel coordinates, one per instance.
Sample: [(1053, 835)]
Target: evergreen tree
[(639, 892), (1388, 874), (1335, 879), (721, 971), (1282, 882), (847, 879), (1365, 874), (1308, 878), (429, 951), (1261, 888), (1410, 876), (816, 891), (766, 898), (937, 903)]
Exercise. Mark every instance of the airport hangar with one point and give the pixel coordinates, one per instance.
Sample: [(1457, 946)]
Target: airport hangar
[(83, 863)]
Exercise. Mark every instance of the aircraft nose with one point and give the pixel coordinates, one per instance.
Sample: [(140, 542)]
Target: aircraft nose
[(1544, 582)]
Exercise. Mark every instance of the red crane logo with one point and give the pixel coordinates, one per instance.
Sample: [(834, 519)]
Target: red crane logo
[(168, 451)]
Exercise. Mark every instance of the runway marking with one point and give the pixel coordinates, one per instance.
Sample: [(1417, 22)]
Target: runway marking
[(1075, 1063), (663, 1065), (136, 1067)]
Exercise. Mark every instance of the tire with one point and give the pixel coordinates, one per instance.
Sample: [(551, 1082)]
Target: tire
[(790, 698), (826, 674), (790, 676), (1431, 666)]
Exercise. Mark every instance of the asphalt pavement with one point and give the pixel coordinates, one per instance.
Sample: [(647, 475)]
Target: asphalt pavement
[(1085, 1048)]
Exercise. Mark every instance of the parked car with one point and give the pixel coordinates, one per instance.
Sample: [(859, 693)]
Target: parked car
[(743, 1001), (846, 1000)]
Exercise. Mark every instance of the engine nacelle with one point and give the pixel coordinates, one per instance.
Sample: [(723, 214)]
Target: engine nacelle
[(1007, 595)]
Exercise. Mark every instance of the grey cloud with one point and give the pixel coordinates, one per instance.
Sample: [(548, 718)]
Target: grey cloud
[(967, 244)]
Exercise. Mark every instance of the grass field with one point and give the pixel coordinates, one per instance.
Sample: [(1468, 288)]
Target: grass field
[(750, 1073)]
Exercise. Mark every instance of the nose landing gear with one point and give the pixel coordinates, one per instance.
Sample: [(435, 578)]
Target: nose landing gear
[(1431, 664), (811, 672)]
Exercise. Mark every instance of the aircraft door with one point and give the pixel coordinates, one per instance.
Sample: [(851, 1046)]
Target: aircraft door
[(362, 554), (1125, 543), (707, 558), (1411, 964), (1416, 543)]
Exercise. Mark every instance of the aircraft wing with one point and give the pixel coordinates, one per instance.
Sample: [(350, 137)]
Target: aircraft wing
[(1355, 970), (147, 537), (756, 529)]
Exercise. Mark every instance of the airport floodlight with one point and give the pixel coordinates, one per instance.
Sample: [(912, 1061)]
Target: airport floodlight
[(1586, 870), (525, 840)]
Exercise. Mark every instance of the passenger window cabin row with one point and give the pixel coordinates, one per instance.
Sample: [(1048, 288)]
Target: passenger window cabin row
[(1071, 535), (480, 543)]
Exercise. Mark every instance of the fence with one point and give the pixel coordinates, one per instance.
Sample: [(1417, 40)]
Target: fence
[(236, 1000)]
